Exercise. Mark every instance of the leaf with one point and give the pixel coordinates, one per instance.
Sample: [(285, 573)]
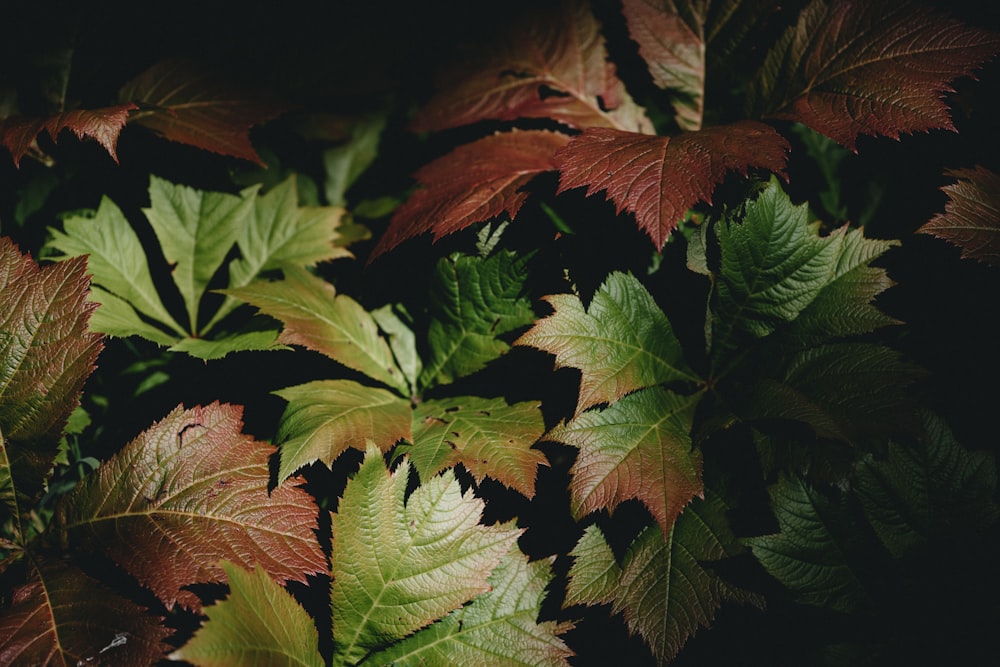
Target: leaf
[(663, 587), (316, 317), (550, 63), (184, 102), (477, 181), (325, 417), (397, 566), (61, 616), (638, 447), (621, 343), (484, 632), (344, 164), (486, 435), (971, 218), (217, 348), (932, 489), (18, 133), (812, 553), (188, 492), (260, 623), (473, 301), (658, 179), (855, 68), (402, 341)]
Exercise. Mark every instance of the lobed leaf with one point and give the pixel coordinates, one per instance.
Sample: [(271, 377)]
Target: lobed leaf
[(19, 133), (260, 623), (621, 343), (853, 68), (188, 492), (971, 218), (658, 179), (398, 566)]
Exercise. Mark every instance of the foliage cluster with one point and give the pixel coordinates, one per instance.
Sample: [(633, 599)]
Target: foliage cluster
[(645, 331)]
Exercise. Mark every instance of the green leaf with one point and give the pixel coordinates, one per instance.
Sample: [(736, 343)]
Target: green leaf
[(217, 348), (932, 489), (621, 343), (402, 340), (662, 587), (497, 627), (486, 435), (638, 447), (813, 554), (317, 318), (473, 301), (117, 318), (188, 492), (260, 623), (398, 566), (325, 417), (196, 230), (345, 163)]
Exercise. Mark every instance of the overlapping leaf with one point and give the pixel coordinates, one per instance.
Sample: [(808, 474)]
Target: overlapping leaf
[(260, 623), (971, 218), (19, 133), (188, 492), (621, 343), (551, 63), (662, 586), (658, 179), (477, 181), (855, 68), (399, 566), (499, 626), (638, 447)]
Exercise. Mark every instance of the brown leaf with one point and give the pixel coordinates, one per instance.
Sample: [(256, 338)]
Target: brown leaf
[(18, 133), (971, 218)]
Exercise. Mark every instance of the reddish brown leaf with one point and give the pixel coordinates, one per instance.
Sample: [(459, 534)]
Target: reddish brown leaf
[(19, 133), (659, 178), (854, 68), (475, 182), (63, 617), (186, 103), (188, 492), (971, 218), (549, 64)]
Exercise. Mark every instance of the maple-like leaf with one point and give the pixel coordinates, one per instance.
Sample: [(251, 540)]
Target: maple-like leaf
[(658, 178), (662, 586), (551, 63), (260, 623), (185, 102), (475, 182), (853, 68), (62, 617), (318, 318), (325, 417), (486, 435), (484, 632), (19, 133), (971, 218), (399, 566), (621, 343), (473, 301), (188, 492)]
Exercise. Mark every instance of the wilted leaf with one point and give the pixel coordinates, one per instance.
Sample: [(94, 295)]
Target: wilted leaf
[(486, 435), (477, 181), (316, 317), (325, 417), (971, 218), (398, 567), (853, 68), (18, 133), (182, 101), (188, 492), (473, 301), (498, 627), (621, 343), (62, 617), (659, 178), (258, 624), (551, 63)]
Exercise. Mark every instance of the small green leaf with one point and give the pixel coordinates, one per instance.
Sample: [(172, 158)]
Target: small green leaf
[(594, 575), (397, 566), (402, 341), (345, 163), (217, 348), (117, 317), (260, 623)]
